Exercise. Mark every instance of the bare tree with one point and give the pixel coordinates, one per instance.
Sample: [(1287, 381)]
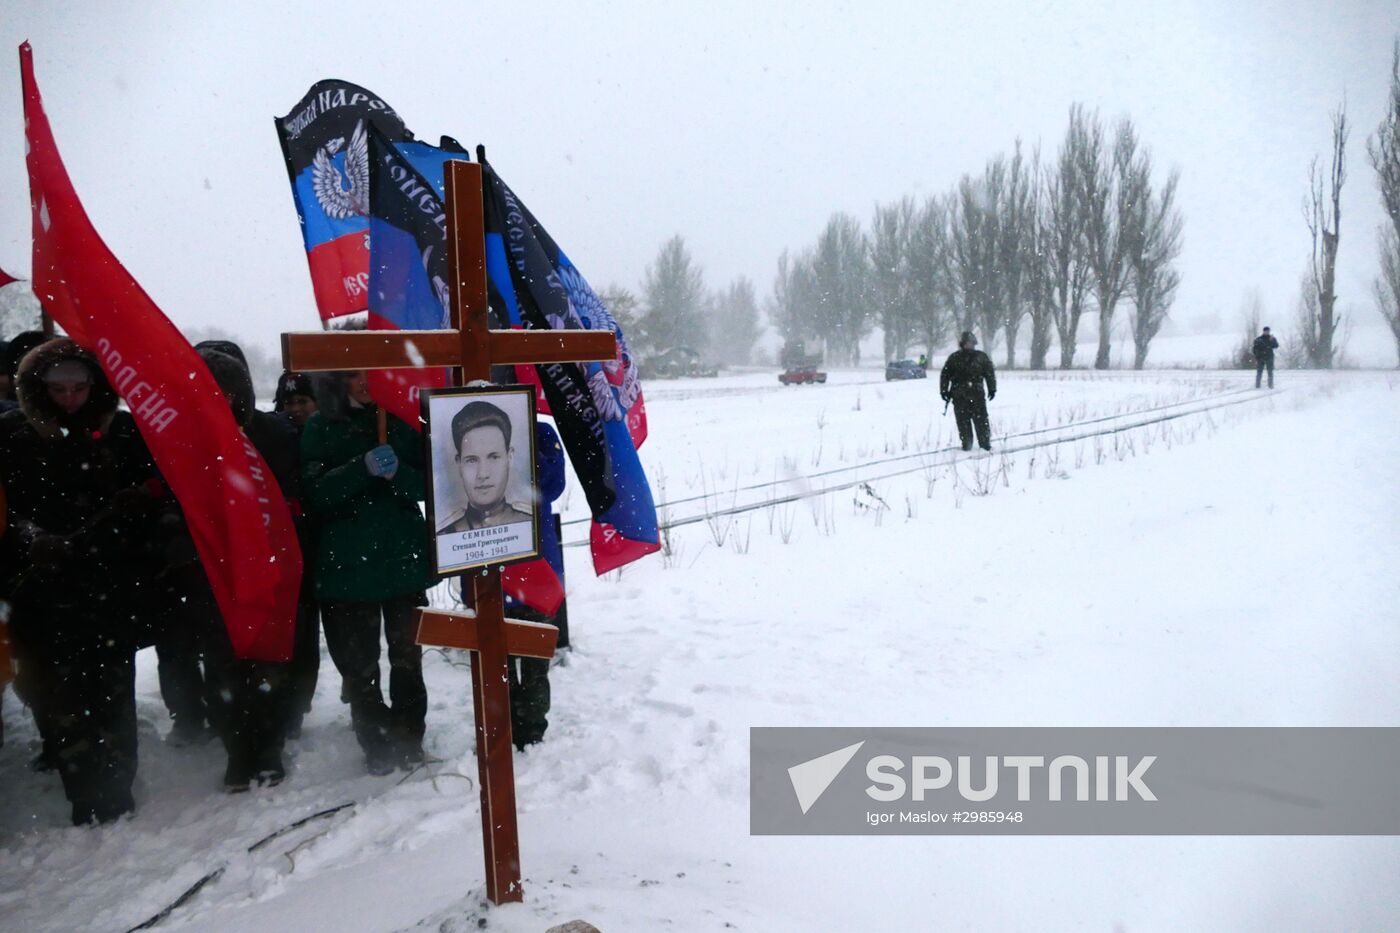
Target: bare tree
[(891, 285), (1014, 241), (1300, 352), (1151, 242), (1064, 237), (1040, 297), (972, 255), (1251, 319), (1384, 150), (1105, 200), (784, 309), (1387, 285), (1322, 210), (929, 285), (673, 294), (840, 276), (734, 324), (622, 304)]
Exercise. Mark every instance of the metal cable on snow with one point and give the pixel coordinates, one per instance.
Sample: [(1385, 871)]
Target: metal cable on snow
[(1068, 425), (838, 487)]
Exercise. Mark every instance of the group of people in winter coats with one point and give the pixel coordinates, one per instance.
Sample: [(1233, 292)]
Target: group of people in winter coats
[(96, 562)]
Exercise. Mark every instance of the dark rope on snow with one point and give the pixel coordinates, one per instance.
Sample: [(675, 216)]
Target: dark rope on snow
[(214, 875)]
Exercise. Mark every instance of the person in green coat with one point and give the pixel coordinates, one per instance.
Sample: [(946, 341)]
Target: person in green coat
[(371, 562)]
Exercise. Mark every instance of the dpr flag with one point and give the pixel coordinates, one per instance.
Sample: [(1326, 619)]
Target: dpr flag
[(408, 290), (325, 141), (236, 514), (407, 271), (541, 289)]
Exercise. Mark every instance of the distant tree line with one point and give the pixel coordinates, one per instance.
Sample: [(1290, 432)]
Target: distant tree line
[(1019, 254), (1384, 152), (675, 308), (1317, 339), (1021, 245)]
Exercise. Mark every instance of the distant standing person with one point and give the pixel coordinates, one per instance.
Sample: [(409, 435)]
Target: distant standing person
[(961, 382), (1264, 346)]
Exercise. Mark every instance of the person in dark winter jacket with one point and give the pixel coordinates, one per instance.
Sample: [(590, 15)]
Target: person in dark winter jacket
[(371, 562), (277, 436), (961, 382), (78, 481), (296, 398), (246, 702), (1264, 346), (295, 401)]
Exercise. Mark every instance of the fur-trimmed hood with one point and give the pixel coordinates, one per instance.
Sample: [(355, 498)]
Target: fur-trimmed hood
[(46, 417)]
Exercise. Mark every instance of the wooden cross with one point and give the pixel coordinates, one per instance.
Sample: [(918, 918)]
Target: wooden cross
[(472, 348)]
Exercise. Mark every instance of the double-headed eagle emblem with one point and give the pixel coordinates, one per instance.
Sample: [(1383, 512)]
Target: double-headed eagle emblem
[(343, 194)]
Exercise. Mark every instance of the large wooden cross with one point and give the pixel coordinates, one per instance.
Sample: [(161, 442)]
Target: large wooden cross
[(473, 347)]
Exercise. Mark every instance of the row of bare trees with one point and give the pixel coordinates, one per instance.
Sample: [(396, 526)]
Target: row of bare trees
[(1023, 244), (1318, 320), (1029, 244), (1384, 150)]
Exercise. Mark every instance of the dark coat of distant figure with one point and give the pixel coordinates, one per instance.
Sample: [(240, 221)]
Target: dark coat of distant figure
[(1264, 346), (961, 381)]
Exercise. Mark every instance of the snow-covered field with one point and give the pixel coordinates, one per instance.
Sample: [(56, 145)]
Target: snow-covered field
[(1230, 565)]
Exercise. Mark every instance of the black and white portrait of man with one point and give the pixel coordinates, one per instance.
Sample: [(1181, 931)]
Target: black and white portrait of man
[(483, 476)]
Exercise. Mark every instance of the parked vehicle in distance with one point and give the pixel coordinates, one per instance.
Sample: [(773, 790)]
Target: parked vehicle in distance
[(794, 377), (677, 362), (904, 369), (799, 366)]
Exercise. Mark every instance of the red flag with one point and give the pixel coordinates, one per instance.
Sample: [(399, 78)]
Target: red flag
[(240, 523), (6, 278)]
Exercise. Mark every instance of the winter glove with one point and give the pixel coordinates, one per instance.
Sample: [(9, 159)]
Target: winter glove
[(49, 550), (945, 396), (991, 395), (382, 461)]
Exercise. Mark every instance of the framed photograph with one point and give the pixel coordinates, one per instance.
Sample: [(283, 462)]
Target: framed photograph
[(482, 501)]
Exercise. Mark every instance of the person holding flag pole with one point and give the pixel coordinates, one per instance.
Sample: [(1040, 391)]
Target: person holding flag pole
[(239, 522)]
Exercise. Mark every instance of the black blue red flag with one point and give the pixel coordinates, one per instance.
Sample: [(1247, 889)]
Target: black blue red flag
[(540, 288), (407, 267), (325, 141)]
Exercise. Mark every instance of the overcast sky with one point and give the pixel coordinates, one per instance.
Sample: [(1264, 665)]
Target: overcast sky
[(741, 126)]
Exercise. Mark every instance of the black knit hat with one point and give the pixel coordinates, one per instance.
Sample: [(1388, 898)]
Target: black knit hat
[(967, 337), (227, 348), (232, 378), (292, 384)]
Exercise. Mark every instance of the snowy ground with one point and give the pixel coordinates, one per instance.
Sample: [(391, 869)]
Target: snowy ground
[(1229, 567)]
